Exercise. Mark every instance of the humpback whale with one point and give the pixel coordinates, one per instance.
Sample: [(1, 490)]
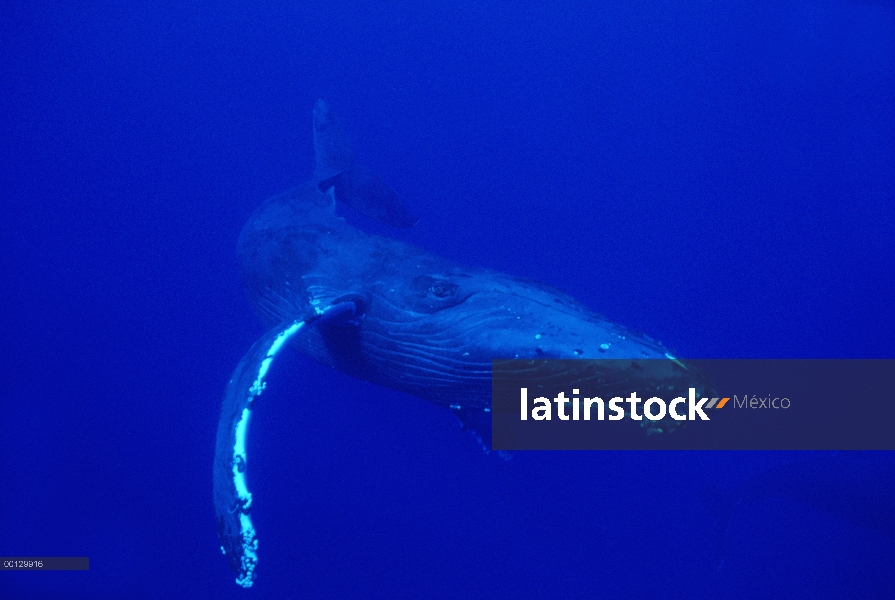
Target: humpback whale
[(384, 311)]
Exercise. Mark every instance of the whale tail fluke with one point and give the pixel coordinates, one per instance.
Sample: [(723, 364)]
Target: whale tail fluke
[(356, 186)]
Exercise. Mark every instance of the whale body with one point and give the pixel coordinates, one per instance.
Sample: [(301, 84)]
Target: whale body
[(384, 311)]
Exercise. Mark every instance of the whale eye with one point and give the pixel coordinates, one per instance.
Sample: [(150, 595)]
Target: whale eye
[(443, 289), (433, 293)]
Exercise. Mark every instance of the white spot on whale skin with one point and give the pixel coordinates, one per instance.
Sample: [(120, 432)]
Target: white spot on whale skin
[(537, 336), (604, 347)]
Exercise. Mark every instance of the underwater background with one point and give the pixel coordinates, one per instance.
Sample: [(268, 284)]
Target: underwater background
[(718, 175)]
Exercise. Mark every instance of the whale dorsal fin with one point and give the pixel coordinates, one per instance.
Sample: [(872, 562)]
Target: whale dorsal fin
[(356, 186)]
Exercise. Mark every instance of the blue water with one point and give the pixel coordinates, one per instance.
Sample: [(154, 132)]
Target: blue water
[(719, 175)]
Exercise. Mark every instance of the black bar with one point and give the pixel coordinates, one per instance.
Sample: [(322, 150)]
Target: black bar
[(45, 563)]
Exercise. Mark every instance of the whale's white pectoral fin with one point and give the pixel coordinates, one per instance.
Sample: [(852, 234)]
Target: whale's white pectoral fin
[(232, 499)]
